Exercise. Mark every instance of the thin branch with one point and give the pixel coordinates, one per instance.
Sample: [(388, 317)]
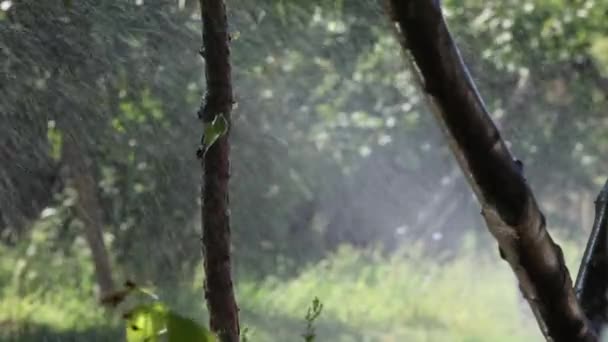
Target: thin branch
[(88, 209), (508, 205), (592, 281), (223, 310)]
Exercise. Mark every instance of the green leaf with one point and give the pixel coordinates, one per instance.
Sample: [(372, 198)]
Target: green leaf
[(213, 131), (184, 329), (148, 322)]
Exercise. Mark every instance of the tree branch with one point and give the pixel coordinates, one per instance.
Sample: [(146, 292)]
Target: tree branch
[(223, 310), (592, 281), (88, 208), (508, 205)]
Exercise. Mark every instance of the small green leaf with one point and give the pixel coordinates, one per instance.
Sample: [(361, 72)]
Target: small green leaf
[(213, 131)]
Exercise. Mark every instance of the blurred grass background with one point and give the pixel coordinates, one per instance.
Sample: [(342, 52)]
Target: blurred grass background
[(366, 297)]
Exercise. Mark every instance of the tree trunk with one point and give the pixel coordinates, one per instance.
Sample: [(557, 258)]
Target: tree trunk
[(508, 204), (592, 281), (218, 102), (88, 210)]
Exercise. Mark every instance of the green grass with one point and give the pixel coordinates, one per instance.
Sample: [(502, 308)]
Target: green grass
[(368, 298), (365, 298)]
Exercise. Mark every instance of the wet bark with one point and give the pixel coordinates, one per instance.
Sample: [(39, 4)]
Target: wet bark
[(221, 302), (508, 205), (592, 280)]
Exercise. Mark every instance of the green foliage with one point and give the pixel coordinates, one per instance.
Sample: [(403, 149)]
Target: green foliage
[(365, 296), (149, 322), (327, 115), (404, 298), (323, 98), (146, 322), (30, 293), (245, 334), (314, 311), (154, 321)]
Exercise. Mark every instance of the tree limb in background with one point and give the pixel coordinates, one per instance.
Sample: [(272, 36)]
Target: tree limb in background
[(88, 209), (218, 102), (592, 281), (508, 205)]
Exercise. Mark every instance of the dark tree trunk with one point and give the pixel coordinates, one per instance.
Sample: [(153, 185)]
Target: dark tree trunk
[(223, 310), (592, 281), (508, 205)]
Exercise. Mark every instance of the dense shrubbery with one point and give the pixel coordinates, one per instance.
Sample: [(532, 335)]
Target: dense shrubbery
[(365, 296)]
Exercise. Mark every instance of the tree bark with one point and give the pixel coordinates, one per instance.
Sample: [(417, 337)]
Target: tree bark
[(508, 204), (88, 210), (221, 302), (592, 280)]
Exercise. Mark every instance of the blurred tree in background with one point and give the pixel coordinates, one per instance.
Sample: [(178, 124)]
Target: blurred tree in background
[(326, 151)]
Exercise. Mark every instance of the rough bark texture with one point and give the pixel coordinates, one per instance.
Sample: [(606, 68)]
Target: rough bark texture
[(223, 310), (592, 281), (88, 210), (508, 205)]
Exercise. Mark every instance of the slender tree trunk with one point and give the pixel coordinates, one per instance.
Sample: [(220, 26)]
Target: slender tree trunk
[(218, 102), (88, 210), (508, 204)]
